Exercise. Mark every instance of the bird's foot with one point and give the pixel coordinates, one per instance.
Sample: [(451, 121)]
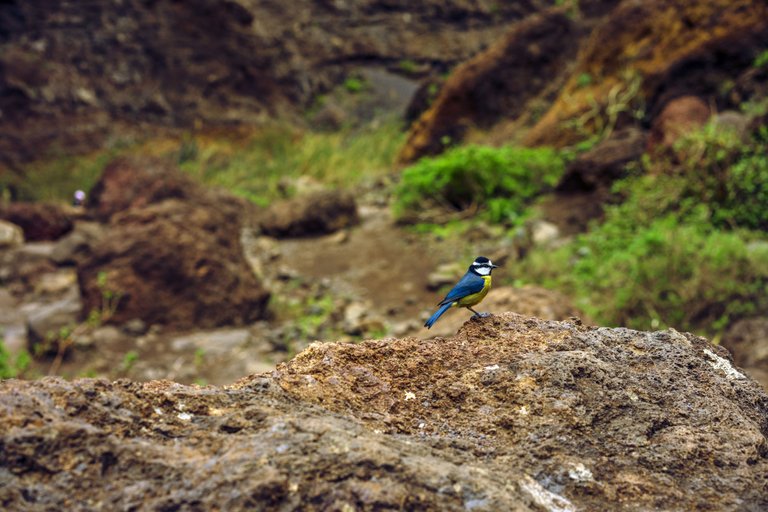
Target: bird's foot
[(481, 315)]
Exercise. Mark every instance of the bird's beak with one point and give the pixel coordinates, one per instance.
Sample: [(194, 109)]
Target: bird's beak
[(494, 266)]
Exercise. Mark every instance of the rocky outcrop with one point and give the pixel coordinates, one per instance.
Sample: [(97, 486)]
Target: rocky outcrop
[(172, 253), (557, 80), (497, 84), (75, 75), (40, 221), (317, 213), (512, 413)]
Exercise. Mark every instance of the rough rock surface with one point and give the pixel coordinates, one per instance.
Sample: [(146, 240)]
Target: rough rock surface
[(318, 213), (510, 414), (172, 254), (40, 221)]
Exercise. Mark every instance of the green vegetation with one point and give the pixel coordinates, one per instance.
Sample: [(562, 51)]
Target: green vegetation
[(129, 360), (687, 248), (408, 66), (354, 84), (11, 367), (761, 60), (255, 165), (258, 167), (501, 182), (584, 79), (57, 179)]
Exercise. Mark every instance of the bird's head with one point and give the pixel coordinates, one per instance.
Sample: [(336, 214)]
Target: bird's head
[(482, 266)]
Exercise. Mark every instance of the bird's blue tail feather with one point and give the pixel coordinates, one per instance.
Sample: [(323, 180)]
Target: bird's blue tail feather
[(429, 323)]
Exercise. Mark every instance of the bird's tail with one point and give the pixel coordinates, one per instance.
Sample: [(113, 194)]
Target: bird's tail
[(429, 323)]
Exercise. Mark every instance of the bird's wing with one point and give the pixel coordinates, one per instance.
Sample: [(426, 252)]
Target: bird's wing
[(468, 285)]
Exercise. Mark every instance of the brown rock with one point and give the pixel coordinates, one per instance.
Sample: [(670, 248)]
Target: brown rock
[(312, 214), (586, 185), (40, 221), (512, 413), (496, 84), (679, 117), (172, 253), (645, 53), (128, 183)]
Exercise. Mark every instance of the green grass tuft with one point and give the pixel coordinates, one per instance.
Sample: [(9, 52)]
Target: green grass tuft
[(499, 181)]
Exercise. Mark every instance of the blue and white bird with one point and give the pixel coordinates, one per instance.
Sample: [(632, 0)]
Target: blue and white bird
[(469, 291)]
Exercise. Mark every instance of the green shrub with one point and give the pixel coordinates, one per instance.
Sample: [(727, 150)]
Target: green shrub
[(714, 167), (500, 181), (10, 368), (686, 248), (670, 272)]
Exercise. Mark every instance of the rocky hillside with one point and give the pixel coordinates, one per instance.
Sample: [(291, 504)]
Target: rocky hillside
[(512, 413), (74, 75)]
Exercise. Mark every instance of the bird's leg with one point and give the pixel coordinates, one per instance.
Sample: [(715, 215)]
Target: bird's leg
[(476, 314)]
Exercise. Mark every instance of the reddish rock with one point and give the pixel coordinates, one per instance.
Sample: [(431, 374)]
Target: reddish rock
[(317, 213), (677, 118), (128, 183), (172, 252), (39, 221)]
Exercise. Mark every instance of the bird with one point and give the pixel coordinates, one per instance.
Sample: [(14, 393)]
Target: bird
[(469, 291)]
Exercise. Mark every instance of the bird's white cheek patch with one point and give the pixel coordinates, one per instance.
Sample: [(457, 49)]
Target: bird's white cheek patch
[(483, 271)]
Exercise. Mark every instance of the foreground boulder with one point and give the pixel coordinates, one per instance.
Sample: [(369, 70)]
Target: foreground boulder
[(509, 414), (171, 254)]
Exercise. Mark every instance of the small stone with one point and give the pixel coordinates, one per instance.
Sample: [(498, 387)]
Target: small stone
[(11, 235)]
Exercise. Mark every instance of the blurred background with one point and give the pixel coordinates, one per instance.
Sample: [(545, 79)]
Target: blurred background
[(198, 190)]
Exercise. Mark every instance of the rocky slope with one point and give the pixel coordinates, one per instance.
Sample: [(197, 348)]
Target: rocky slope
[(76, 75), (546, 82), (512, 413)]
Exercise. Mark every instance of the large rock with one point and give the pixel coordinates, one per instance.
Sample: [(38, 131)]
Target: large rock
[(512, 413), (172, 255), (317, 213), (40, 221)]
